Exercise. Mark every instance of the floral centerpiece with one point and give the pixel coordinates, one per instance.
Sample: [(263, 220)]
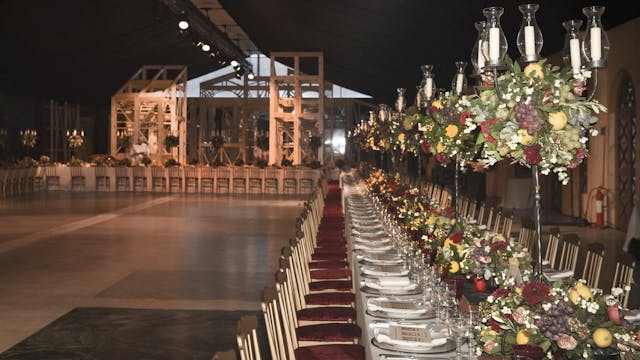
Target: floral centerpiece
[(564, 320), (449, 126), (496, 258), (538, 117), (406, 136)]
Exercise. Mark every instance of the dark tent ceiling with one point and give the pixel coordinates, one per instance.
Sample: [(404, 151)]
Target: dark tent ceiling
[(85, 50)]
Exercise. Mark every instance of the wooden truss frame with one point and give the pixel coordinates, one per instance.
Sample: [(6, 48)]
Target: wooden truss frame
[(152, 104)]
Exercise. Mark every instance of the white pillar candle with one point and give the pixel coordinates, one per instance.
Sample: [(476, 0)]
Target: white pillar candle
[(494, 44), (459, 83), (596, 52), (574, 48), (428, 88), (529, 41), (481, 48)]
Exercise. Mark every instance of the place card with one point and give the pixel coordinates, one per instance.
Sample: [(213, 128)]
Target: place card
[(401, 305), (414, 334), (382, 257)]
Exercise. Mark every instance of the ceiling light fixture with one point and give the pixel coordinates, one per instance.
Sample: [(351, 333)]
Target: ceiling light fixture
[(234, 63), (183, 25), (251, 76), (205, 47)]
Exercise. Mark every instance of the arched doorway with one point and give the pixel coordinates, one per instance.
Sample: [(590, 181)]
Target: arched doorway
[(626, 151)]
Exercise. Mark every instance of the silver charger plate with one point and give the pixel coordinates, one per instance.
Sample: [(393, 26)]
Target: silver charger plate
[(372, 291), (450, 345), (364, 261)]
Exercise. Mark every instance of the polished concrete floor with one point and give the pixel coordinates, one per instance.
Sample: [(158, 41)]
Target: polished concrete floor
[(73, 263)]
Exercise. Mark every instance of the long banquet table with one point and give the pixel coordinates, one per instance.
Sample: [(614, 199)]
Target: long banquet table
[(350, 187)]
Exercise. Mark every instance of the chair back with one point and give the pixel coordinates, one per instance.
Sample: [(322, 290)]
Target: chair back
[(551, 252), (623, 278), (570, 246), (247, 336), (593, 264), (507, 225), (278, 333), (526, 237), (225, 355)]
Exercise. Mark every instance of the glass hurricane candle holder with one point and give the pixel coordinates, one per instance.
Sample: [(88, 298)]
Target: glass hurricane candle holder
[(459, 82), (595, 44), (497, 45), (477, 53), (429, 83), (401, 101), (529, 40), (571, 52)]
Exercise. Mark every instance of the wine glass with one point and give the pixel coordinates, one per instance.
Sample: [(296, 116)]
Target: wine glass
[(460, 327)]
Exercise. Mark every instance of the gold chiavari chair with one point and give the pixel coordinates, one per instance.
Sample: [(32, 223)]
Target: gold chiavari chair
[(551, 252), (175, 179), (570, 246), (255, 180), (593, 265), (271, 184), (526, 237), (207, 181), (623, 278), (102, 180), (223, 179), (507, 224), (497, 222), (247, 337), (481, 212), (225, 355), (240, 175), (191, 179), (471, 210)]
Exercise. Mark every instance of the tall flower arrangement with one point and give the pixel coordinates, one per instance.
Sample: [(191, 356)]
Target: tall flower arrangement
[(537, 117), (450, 130)]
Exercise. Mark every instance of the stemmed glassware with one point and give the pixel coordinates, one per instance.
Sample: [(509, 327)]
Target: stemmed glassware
[(461, 328)]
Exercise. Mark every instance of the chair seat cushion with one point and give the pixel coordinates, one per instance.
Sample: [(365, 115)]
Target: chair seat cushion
[(329, 264), (329, 332), (339, 285), (330, 250), (329, 274), (327, 313), (330, 352), (330, 298), (331, 257)]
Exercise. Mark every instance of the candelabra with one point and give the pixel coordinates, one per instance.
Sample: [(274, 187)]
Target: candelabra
[(581, 53), (75, 138)]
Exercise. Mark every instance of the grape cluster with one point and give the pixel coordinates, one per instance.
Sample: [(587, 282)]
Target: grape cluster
[(528, 118), (450, 115), (556, 320), (571, 138)]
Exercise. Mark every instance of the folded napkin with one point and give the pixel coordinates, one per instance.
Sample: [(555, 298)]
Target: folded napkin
[(439, 341), (632, 315), (374, 272), (554, 275), (372, 259)]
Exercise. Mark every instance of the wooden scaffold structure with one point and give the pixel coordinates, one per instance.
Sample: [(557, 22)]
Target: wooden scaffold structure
[(152, 104), (296, 108)]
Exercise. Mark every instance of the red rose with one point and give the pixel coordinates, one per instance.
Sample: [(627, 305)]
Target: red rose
[(501, 292), (546, 97), (443, 159), (433, 109), (494, 325), (535, 292), (456, 237), (532, 154), (497, 246)]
